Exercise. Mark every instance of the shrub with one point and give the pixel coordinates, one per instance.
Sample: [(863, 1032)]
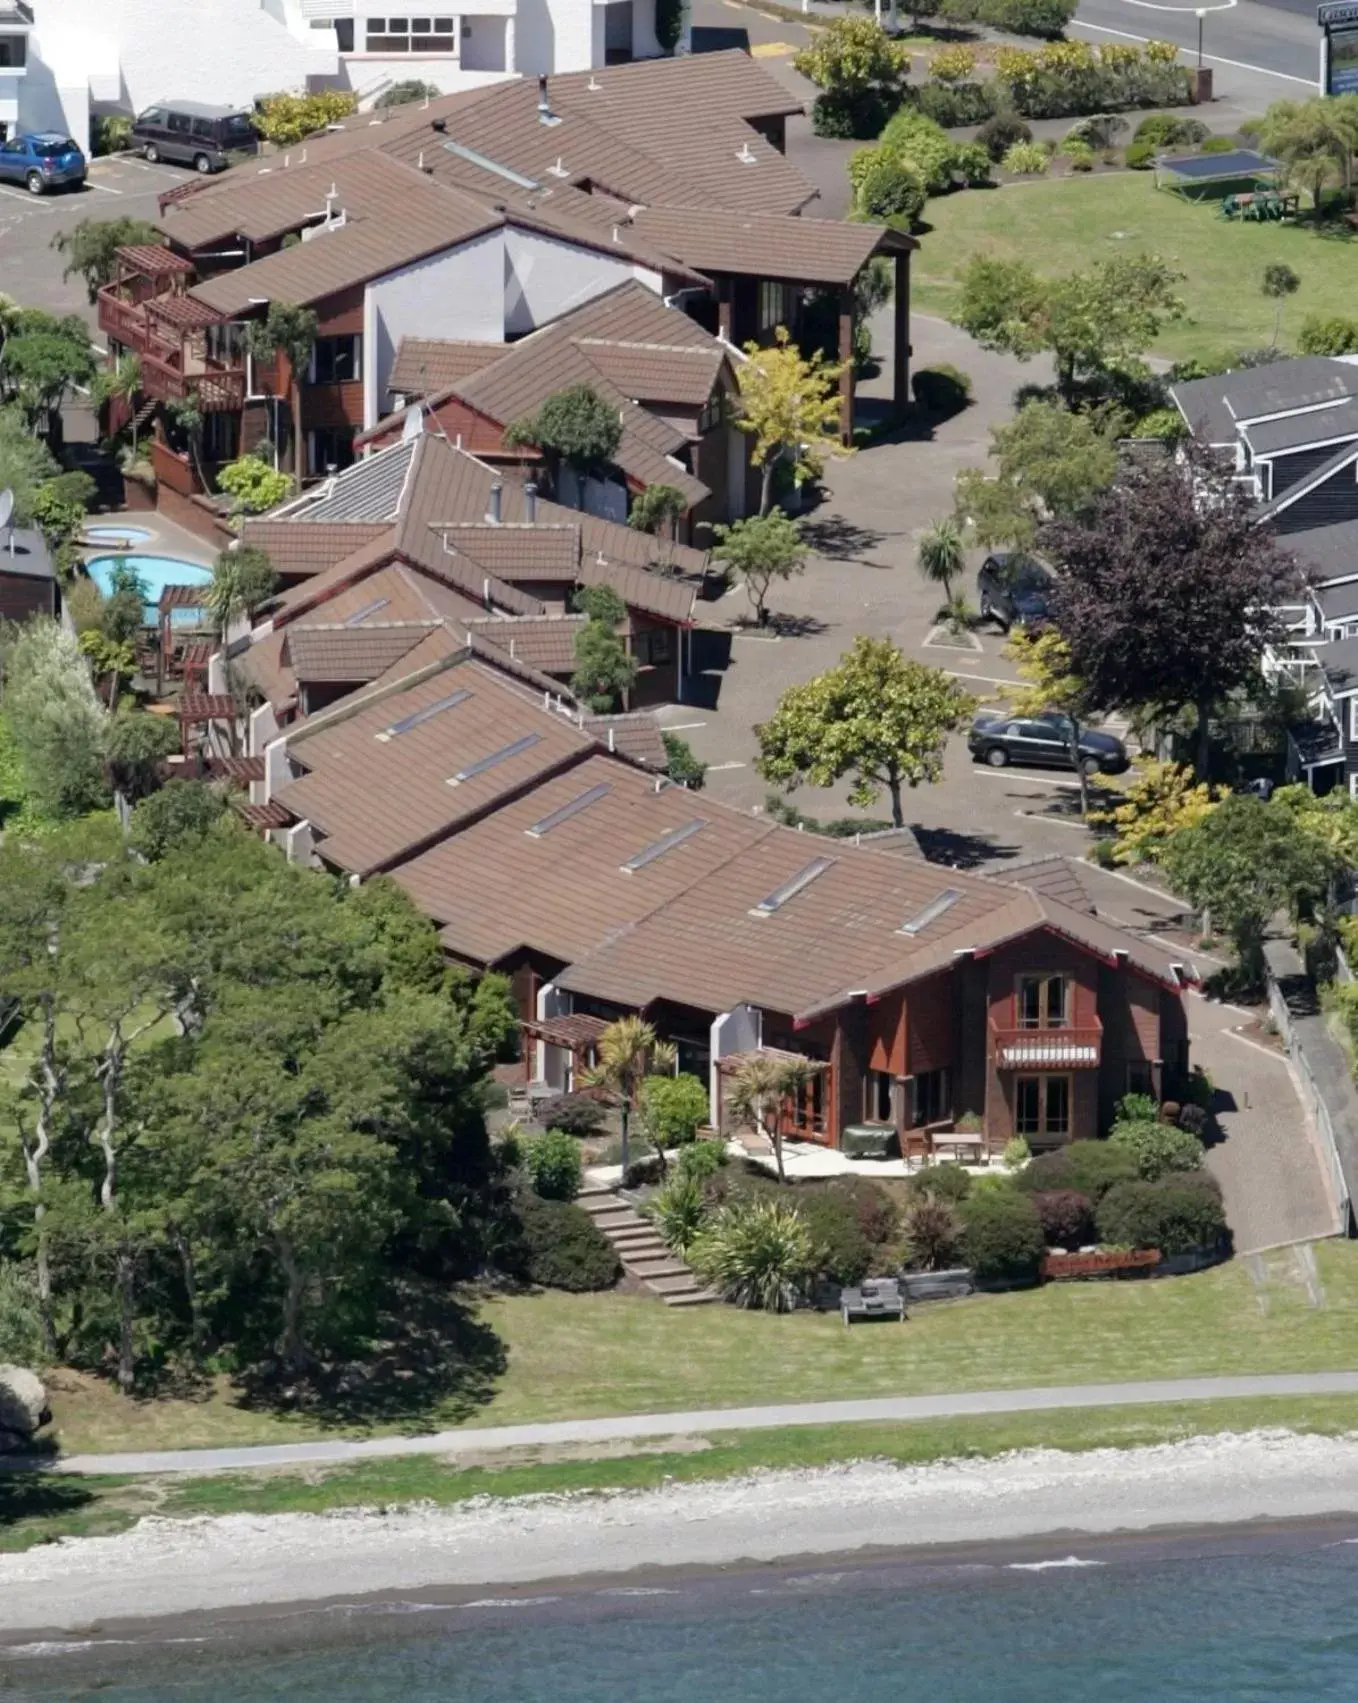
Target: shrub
[(254, 484), (1089, 1167), (1017, 1153), (285, 119), (953, 64), (1100, 130), (849, 117), (1080, 155), (954, 105), (1139, 156), (678, 1211), (942, 1182), (933, 1234), (999, 134), (891, 188), (843, 1253), (1157, 1148), (971, 163), (577, 1114), (757, 1254), (1001, 1234), (1166, 130), (1025, 159), (701, 1160), (110, 133), (1330, 334), (1029, 17), (1167, 424), (1167, 1215), (672, 1107), (874, 1208), (561, 1247), (552, 1162), (20, 1320), (942, 389), (1066, 1216), (1217, 145)]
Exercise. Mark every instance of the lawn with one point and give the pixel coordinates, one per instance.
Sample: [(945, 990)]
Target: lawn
[(1062, 224), (38, 1509), (583, 1355)]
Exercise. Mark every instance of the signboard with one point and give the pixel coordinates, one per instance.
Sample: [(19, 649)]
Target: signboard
[(1339, 47)]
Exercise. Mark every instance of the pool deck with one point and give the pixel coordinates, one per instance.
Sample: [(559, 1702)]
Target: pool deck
[(163, 537)]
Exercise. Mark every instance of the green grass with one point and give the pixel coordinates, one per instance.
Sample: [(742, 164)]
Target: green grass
[(1063, 224), (42, 1509), (575, 1356)]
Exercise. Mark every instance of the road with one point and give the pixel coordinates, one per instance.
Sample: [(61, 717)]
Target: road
[(1248, 45), (632, 1426)]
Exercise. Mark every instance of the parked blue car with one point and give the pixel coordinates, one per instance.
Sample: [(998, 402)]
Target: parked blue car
[(46, 160)]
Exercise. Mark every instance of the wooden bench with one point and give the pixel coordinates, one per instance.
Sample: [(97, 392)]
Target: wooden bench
[(875, 1298)]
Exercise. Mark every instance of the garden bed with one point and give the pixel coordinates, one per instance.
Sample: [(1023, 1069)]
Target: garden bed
[(1123, 1262)]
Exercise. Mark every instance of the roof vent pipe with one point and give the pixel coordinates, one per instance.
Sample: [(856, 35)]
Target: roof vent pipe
[(530, 502), (545, 113), (611, 741), (496, 501), (485, 591)]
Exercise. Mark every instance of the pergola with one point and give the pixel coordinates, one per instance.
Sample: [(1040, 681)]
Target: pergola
[(174, 599), (576, 1032)]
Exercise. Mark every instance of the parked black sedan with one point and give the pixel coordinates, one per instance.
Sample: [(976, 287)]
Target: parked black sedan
[(1013, 589), (1000, 739)]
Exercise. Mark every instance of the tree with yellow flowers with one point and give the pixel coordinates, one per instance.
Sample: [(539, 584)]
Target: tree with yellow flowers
[(789, 405)]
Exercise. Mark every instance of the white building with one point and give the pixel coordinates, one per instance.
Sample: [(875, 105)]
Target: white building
[(62, 60)]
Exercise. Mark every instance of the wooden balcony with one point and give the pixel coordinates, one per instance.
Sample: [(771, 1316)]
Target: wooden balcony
[(1047, 1049), (172, 369)]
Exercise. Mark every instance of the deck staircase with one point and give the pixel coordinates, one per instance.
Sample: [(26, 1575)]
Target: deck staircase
[(642, 1252)]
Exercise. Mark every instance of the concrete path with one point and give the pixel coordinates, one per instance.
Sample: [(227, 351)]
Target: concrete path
[(632, 1426)]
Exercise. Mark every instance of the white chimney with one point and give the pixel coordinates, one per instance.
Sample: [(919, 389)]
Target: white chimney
[(530, 502), (496, 501)]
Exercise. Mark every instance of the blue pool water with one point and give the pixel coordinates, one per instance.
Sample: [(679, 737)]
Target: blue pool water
[(155, 573), (1264, 1615), (117, 534)]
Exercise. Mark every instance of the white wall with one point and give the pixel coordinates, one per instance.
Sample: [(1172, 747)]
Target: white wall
[(544, 278), (458, 294), (222, 51)]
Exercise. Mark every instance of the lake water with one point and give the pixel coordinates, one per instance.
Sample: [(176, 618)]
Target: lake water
[(1266, 1614)]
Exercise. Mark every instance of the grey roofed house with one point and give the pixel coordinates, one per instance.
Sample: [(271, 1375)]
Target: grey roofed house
[(28, 581), (1339, 663), (1314, 428), (1280, 387)]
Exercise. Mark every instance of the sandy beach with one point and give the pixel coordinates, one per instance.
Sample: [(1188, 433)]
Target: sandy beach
[(167, 1567)]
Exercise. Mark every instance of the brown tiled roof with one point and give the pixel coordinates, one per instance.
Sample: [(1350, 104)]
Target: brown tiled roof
[(636, 735), (335, 652), (670, 599), (429, 217), (518, 552), (491, 886), (1051, 877), (206, 706), (425, 364), (693, 89), (654, 372), (261, 666), (803, 251), (297, 549), (243, 769), (270, 815), (545, 642), (185, 313), (378, 795)]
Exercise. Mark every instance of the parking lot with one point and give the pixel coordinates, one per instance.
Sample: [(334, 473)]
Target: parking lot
[(30, 269)]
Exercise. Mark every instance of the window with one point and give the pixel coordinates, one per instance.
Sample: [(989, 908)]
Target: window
[(1043, 1002), (1353, 718), (931, 1097), (772, 306), (1042, 1106), (411, 35), (153, 115), (205, 129), (17, 146), (711, 414), (179, 124), (877, 1106), (13, 52), (653, 648), (337, 360), (330, 449)]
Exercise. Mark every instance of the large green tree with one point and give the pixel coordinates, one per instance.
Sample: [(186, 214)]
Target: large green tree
[(1048, 464), (761, 550), (90, 248), (877, 716)]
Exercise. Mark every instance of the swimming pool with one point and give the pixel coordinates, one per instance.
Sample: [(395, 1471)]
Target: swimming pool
[(117, 534), (155, 573)]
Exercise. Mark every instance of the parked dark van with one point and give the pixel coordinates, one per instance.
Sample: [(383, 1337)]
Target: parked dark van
[(185, 133)]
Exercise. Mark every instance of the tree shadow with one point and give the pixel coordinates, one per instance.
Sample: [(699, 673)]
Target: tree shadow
[(791, 626), (960, 850), (842, 540), (434, 1363), (27, 1492)]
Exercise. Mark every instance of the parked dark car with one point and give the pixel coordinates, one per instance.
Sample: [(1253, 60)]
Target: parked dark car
[(185, 133), (1013, 588), (1000, 739), (41, 162)]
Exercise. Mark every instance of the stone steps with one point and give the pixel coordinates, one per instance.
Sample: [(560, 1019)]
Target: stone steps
[(642, 1251)]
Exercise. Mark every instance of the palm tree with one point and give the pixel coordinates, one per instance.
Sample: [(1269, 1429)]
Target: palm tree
[(289, 331), (762, 1087), (242, 577), (1280, 282), (941, 555), (627, 1052), (121, 381)]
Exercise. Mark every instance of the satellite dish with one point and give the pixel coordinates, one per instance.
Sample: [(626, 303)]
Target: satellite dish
[(6, 507)]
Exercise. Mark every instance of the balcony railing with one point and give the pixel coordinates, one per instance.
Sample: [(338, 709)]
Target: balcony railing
[(1047, 1049), (164, 377)]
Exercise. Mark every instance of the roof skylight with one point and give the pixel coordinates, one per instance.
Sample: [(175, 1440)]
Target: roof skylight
[(798, 883), (368, 610), (566, 811), (931, 912), (418, 717), (494, 760), (666, 843)]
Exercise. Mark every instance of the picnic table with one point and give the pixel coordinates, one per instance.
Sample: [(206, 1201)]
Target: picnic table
[(874, 1298), (1261, 205)]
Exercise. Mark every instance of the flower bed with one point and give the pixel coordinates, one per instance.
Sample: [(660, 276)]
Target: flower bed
[(1061, 79), (1115, 1263)]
